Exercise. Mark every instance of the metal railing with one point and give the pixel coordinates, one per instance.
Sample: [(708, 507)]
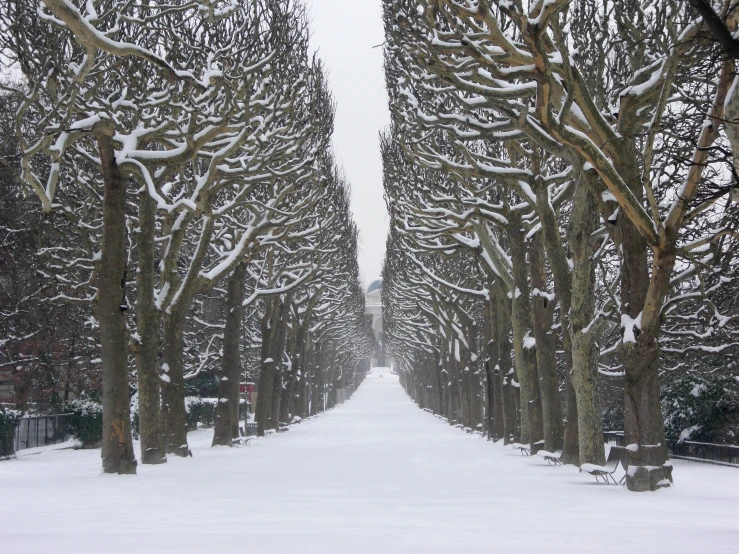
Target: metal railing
[(721, 454), (37, 431), (706, 452), (614, 437)]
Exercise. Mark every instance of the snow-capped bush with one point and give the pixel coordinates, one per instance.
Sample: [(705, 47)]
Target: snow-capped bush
[(201, 412), (698, 408), (86, 421), (8, 422)]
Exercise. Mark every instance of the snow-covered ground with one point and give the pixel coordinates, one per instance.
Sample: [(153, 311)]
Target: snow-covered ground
[(373, 475)]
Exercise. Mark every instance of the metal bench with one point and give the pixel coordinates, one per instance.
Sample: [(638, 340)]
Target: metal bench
[(524, 449), (552, 458), (616, 456)]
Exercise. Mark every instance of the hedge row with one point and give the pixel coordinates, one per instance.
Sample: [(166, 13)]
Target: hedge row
[(87, 423), (202, 411)]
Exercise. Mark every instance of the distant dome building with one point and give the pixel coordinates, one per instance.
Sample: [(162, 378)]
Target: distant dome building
[(373, 309), (374, 285)]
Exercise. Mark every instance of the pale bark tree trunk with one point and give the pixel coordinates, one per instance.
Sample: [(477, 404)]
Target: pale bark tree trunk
[(731, 125), (147, 323), (584, 332), (228, 383), (117, 453)]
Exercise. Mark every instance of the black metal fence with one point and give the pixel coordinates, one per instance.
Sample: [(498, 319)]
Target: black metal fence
[(42, 430), (721, 454), (614, 437)]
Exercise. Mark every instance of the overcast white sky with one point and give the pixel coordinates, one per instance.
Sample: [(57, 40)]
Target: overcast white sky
[(344, 32)]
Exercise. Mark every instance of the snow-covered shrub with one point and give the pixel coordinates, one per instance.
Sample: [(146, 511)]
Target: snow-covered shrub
[(86, 421), (699, 408), (201, 412), (135, 415), (8, 422), (612, 402)]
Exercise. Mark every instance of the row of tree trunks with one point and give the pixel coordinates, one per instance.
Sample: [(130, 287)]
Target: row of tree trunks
[(528, 316)]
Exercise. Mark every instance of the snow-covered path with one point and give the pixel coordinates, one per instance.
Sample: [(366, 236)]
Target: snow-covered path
[(373, 475)]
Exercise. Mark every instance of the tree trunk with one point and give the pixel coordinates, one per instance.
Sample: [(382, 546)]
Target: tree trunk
[(546, 357), (117, 453), (571, 446), (263, 411), (174, 417), (147, 324), (532, 425), (561, 276), (465, 400), (644, 431), (510, 389), (495, 427), (731, 126), (228, 384), (584, 220), (279, 349)]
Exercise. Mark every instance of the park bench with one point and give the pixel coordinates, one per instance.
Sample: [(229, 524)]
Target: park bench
[(616, 456), (524, 449), (241, 441), (552, 458)]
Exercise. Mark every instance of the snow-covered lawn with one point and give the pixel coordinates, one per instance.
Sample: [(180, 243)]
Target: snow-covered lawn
[(373, 475)]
